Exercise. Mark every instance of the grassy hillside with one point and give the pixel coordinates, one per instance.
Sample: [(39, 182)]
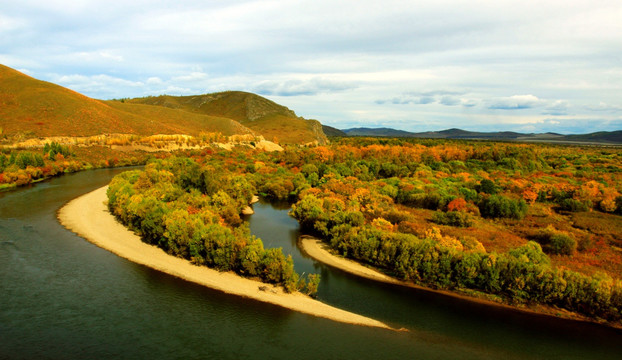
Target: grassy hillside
[(236, 105), (35, 108), (331, 131), (182, 121), (42, 108), (263, 116)]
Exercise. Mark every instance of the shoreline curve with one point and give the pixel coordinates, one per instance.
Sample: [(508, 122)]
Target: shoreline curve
[(88, 217), (318, 250)]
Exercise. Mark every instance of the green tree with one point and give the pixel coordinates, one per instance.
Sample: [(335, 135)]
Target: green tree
[(313, 283), (499, 206), (530, 253), (487, 187), (453, 218)]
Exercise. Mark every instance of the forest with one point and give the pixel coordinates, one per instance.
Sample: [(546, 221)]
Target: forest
[(523, 224), (528, 224), (19, 167)]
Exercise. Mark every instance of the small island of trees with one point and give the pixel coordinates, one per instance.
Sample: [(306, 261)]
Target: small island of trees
[(193, 212)]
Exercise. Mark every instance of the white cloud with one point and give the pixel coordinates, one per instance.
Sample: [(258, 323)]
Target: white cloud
[(557, 107), (81, 80), (154, 80), (192, 77), (108, 55), (515, 102), (469, 102), (604, 107), (438, 64), (297, 87), (26, 71), (176, 90), (107, 86), (443, 97), (94, 56), (450, 100)]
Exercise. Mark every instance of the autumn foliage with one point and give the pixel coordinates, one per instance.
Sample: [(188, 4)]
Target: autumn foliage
[(193, 212), (522, 223)]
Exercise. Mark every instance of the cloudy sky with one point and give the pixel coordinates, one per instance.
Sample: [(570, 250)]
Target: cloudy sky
[(530, 66)]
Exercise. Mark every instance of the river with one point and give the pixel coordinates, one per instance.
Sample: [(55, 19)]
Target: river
[(62, 297)]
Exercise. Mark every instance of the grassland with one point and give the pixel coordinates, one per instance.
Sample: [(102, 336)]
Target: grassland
[(265, 117)]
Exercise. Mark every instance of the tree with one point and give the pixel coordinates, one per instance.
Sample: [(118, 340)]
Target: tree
[(499, 206), (458, 204), (453, 218), (312, 284), (555, 241), (308, 211), (530, 253), (488, 187), (251, 257), (166, 205)]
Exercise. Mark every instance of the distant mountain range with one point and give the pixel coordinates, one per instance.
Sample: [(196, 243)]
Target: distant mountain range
[(603, 137)]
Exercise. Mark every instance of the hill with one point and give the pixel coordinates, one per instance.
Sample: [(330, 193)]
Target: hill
[(603, 137), (609, 136), (35, 108), (31, 107), (380, 132), (259, 114), (331, 131), (444, 134)]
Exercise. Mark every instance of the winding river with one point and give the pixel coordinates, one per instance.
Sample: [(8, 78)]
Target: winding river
[(63, 298)]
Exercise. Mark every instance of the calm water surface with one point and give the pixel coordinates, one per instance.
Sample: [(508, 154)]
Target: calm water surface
[(63, 298)]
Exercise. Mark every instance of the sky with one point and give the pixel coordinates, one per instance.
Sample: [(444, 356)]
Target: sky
[(479, 65)]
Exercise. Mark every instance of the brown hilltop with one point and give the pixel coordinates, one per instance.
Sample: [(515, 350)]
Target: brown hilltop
[(33, 107), (259, 114)]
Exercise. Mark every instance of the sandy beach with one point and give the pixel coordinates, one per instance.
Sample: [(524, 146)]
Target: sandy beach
[(88, 216), (319, 251)]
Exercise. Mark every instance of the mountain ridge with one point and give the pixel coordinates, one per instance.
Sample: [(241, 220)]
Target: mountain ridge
[(255, 112), (605, 137)]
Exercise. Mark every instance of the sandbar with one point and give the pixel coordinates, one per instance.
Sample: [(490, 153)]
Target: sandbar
[(318, 250), (88, 216)]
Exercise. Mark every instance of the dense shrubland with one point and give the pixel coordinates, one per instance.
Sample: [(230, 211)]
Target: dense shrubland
[(366, 198), (193, 212), (522, 275), (483, 217), (32, 161), (524, 223), (22, 167)]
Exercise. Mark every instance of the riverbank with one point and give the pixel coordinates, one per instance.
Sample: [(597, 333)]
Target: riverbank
[(88, 216), (318, 250)]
